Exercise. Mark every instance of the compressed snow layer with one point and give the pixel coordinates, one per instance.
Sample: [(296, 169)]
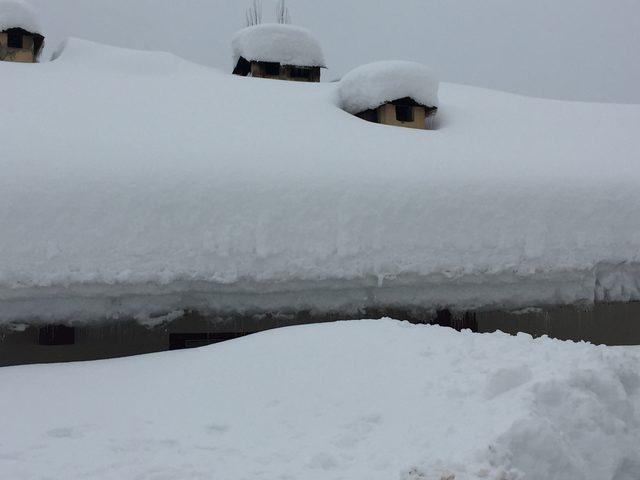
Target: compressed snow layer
[(285, 44), (18, 14), (369, 86), (374, 400), (137, 183)]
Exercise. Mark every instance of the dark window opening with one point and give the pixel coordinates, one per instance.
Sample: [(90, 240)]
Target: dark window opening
[(369, 115), (404, 113), (180, 341), (299, 72), (14, 39), (243, 67), (446, 318), (57, 335), (272, 69)]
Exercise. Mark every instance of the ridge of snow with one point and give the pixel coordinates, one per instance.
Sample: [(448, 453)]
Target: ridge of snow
[(274, 42), (78, 53), (18, 14), (369, 86), (369, 399)]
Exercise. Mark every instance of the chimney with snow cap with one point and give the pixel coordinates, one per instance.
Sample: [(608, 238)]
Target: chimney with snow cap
[(277, 51), (21, 39), (396, 93)]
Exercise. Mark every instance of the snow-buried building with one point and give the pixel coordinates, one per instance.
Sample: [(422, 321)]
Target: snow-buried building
[(114, 243), (277, 51), (21, 39), (391, 93)]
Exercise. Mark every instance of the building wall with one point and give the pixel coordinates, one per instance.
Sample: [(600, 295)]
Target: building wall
[(387, 116), (258, 70), (603, 323), (22, 55), (112, 339)]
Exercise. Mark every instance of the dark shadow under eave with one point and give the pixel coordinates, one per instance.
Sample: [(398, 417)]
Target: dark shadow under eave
[(602, 323)]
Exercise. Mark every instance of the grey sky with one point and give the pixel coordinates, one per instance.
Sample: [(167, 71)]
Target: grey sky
[(571, 49)]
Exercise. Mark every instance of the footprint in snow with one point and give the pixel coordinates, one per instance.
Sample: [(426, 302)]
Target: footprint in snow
[(65, 432), (216, 428)]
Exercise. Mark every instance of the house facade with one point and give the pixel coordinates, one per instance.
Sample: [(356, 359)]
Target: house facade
[(20, 45), (403, 112), (276, 71)]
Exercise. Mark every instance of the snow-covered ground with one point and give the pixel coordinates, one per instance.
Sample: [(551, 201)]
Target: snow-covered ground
[(368, 400), (136, 182)]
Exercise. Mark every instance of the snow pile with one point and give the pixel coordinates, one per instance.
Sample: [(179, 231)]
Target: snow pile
[(238, 194), (374, 399), (272, 42), (18, 14), (369, 86)]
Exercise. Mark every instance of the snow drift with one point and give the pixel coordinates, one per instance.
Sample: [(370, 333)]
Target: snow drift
[(272, 42), (372, 400), (18, 14), (138, 182), (369, 86)]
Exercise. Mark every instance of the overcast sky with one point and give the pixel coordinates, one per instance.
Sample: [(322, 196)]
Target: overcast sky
[(570, 49)]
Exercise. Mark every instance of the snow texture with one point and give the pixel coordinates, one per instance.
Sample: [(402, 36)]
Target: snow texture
[(369, 86), (273, 42), (18, 14), (375, 400), (243, 194)]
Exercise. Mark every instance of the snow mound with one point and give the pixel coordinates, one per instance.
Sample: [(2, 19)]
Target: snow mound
[(369, 86), (373, 399), (18, 14), (271, 42)]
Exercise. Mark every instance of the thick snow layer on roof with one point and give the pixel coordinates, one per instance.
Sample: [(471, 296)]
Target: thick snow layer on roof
[(374, 400), (369, 86), (272, 42), (236, 193), (18, 14)]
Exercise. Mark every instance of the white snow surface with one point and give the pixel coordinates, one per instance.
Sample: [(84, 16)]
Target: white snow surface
[(137, 183), (18, 14), (368, 400), (369, 86), (274, 42)]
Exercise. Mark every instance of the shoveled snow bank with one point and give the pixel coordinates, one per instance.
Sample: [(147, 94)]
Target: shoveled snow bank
[(369, 86), (18, 14), (375, 400), (285, 44), (241, 194)]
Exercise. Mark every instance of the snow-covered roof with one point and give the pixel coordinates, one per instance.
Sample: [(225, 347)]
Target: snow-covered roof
[(369, 86), (273, 42), (245, 209), (18, 14)]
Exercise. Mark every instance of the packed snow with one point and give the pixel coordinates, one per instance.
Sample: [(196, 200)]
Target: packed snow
[(149, 185), (374, 400), (18, 14), (369, 86), (274, 42)]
